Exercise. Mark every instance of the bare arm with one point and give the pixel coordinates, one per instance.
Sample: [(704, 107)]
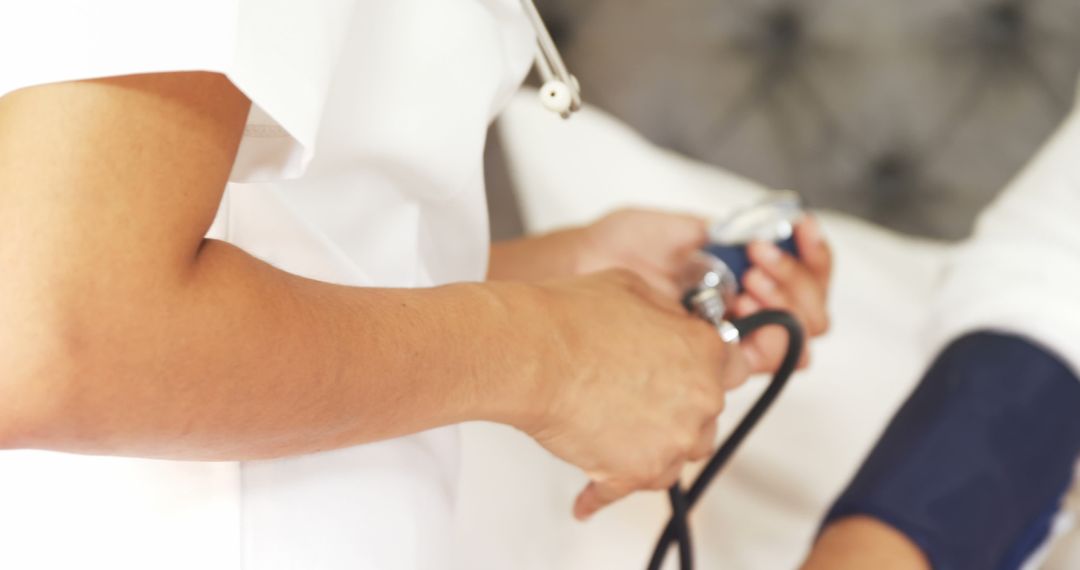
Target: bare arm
[(857, 543), (124, 331)]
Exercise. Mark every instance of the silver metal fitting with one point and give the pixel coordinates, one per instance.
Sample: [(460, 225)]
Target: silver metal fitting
[(710, 289), (728, 333)]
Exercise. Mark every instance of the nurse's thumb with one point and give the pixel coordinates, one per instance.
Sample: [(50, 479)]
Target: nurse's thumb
[(597, 496)]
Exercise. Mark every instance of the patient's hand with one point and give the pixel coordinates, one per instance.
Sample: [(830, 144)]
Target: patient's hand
[(780, 281)]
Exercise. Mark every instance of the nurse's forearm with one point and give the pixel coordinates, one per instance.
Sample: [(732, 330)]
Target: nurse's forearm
[(123, 331), (240, 360)]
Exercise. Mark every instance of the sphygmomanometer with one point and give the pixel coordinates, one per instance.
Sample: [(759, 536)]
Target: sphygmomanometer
[(974, 466), (712, 280)]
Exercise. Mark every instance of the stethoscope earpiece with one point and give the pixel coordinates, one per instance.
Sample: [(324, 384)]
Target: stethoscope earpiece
[(560, 92), (555, 95), (558, 97)]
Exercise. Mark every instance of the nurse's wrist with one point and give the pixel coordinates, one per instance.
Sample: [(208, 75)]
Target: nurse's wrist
[(511, 390)]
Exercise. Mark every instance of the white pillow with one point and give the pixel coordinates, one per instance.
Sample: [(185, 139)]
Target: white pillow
[(764, 510)]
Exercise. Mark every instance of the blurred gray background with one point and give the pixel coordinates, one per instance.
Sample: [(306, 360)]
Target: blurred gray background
[(909, 113)]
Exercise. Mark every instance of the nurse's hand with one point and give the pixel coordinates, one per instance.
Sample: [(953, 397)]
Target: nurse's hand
[(655, 245), (632, 386), (651, 243), (781, 281)]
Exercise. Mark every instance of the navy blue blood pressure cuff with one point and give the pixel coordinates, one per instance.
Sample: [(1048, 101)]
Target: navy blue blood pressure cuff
[(974, 466)]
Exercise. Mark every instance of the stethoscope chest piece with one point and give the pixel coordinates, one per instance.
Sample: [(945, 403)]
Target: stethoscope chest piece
[(772, 219), (710, 287), (712, 277)]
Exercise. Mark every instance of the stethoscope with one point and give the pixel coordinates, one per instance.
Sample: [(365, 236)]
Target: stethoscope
[(560, 92), (711, 280)]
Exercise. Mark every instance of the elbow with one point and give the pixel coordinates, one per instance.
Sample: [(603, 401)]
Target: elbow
[(71, 359), (15, 415), (22, 404), (34, 389), (66, 342)]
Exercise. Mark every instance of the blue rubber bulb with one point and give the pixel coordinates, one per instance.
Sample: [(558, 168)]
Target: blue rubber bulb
[(738, 259)]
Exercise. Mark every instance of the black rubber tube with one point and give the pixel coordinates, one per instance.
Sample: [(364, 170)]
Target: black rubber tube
[(679, 516), (746, 327)]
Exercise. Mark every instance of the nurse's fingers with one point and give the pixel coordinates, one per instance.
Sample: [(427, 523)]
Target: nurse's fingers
[(663, 283), (778, 280), (758, 361), (706, 442), (765, 349), (598, 495), (669, 477), (814, 250), (649, 289)]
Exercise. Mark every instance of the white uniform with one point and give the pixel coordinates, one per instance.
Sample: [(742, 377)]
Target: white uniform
[(1020, 271), (361, 165)]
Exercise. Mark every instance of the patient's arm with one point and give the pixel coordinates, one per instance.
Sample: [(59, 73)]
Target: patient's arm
[(859, 542), (972, 469)]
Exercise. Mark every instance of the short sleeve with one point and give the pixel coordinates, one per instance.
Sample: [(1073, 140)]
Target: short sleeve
[(281, 53)]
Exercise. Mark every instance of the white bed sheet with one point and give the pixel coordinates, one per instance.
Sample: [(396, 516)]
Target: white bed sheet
[(763, 511)]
